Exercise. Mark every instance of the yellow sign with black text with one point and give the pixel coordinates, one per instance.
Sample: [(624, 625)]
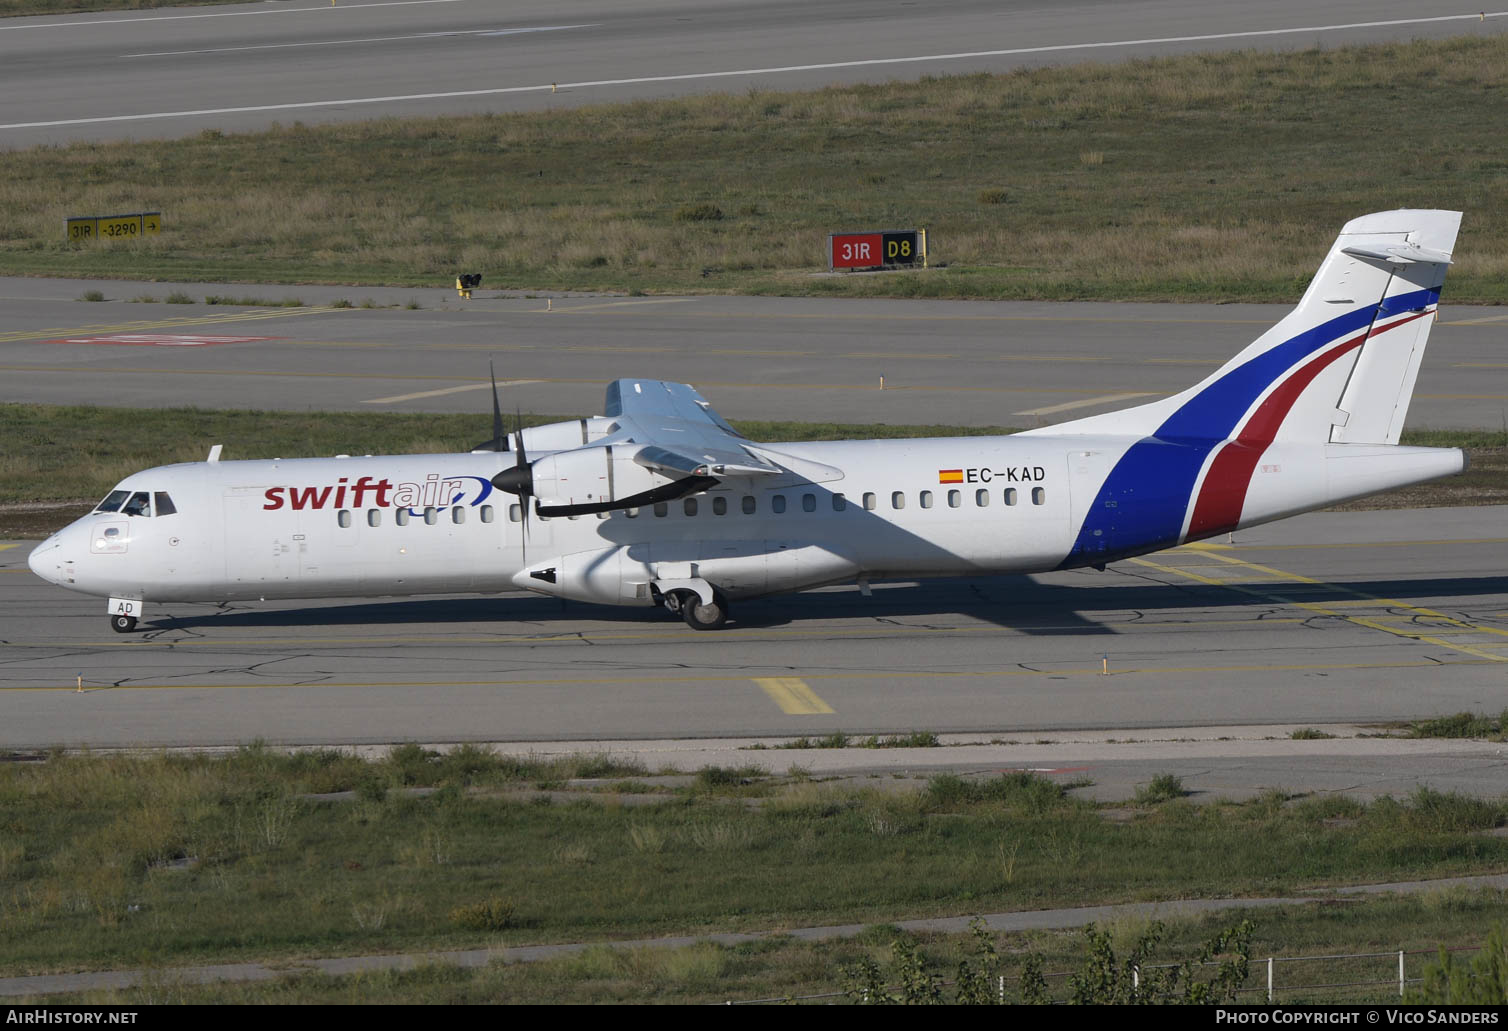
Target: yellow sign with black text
[(113, 227)]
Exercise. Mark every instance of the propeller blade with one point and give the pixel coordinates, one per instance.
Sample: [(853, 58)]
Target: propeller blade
[(499, 438), (521, 469)]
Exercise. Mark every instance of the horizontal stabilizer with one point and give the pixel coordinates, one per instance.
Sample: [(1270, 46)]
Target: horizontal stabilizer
[(1401, 253)]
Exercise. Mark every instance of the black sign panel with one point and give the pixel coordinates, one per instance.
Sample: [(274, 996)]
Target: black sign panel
[(901, 248)]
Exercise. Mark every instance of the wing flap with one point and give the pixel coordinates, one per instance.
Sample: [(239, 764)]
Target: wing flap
[(680, 432)]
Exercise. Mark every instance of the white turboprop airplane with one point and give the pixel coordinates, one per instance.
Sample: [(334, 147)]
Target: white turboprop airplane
[(659, 502)]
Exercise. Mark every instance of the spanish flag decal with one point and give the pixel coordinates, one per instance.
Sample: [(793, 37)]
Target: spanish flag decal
[(950, 476)]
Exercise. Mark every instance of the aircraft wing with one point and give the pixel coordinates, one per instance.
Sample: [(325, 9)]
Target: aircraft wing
[(680, 433)]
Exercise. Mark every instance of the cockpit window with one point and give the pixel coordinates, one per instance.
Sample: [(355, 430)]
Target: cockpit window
[(163, 504), (113, 501), (139, 505)]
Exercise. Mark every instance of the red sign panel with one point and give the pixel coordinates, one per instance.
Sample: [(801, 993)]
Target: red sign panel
[(858, 250), (158, 340)]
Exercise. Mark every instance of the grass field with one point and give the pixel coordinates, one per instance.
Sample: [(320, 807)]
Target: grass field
[(114, 861), (1045, 183), (784, 967), (17, 8), (61, 459)]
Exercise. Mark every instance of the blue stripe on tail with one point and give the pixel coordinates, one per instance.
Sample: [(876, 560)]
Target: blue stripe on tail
[(1142, 504)]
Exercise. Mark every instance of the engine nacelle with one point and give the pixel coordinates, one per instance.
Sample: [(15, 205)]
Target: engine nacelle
[(592, 475), (564, 436)]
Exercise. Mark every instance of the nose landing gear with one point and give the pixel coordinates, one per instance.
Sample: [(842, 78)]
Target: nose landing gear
[(123, 614)]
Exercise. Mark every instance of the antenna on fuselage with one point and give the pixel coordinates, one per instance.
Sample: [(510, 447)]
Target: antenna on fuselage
[(214, 453)]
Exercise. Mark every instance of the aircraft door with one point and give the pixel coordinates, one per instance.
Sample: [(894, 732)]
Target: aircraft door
[(1088, 469), (258, 551)]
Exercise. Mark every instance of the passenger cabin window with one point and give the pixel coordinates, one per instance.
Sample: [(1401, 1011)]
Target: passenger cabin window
[(113, 501), (1039, 496), (486, 513), (982, 498), (749, 504), (777, 504), (163, 504), (401, 517), (898, 499), (926, 499), (457, 514), (808, 502), (719, 506), (431, 515), (662, 508), (513, 513), (138, 505), (689, 506), (955, 498), (870, 501), (343, 517), (374, 517), (1010, 495), (839, 502)]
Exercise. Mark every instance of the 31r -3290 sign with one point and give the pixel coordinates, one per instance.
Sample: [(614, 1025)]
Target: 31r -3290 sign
[(884, 249)]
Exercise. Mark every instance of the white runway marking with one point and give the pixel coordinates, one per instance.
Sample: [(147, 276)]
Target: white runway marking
[(82, 23), (371, 39), (448, 390), (827, 66), (1107, 399)]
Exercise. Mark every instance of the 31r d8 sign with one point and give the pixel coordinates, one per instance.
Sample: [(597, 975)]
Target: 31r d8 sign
[(877, 250)]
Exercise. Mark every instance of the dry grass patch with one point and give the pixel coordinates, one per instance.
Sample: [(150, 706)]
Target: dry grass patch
[(1041, 183)]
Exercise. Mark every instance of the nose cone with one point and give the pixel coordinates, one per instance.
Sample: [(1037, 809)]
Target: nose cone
[(43, 560)]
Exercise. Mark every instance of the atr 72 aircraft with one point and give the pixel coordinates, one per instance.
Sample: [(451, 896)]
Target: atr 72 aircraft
[(659, 502)]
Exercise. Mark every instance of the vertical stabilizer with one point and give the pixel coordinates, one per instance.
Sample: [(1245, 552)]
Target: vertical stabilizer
[(1338, 368), (1377, 394)]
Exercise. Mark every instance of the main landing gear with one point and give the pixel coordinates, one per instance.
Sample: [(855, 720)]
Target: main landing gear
[(698, 616)]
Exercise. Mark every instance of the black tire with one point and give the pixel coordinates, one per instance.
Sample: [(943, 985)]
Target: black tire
[(705, 617), (122, 624)]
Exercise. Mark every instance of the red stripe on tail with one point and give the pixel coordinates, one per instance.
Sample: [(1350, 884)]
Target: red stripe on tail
[(1223, 494)]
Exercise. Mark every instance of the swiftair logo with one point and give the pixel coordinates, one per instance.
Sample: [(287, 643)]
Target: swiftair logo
[(435, 492)]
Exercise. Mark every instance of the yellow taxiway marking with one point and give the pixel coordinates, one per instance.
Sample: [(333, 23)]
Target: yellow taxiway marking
[(1067, 405), (9, 544), (1095, 671), (931, 317), (98, 329), (1362, 596), (613, 304), (74, 370), (1464, 397), (761, 352), (626, 636), (448, 390), (793, 696), (1262, 590), (1201, 545), (1476, 322)]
